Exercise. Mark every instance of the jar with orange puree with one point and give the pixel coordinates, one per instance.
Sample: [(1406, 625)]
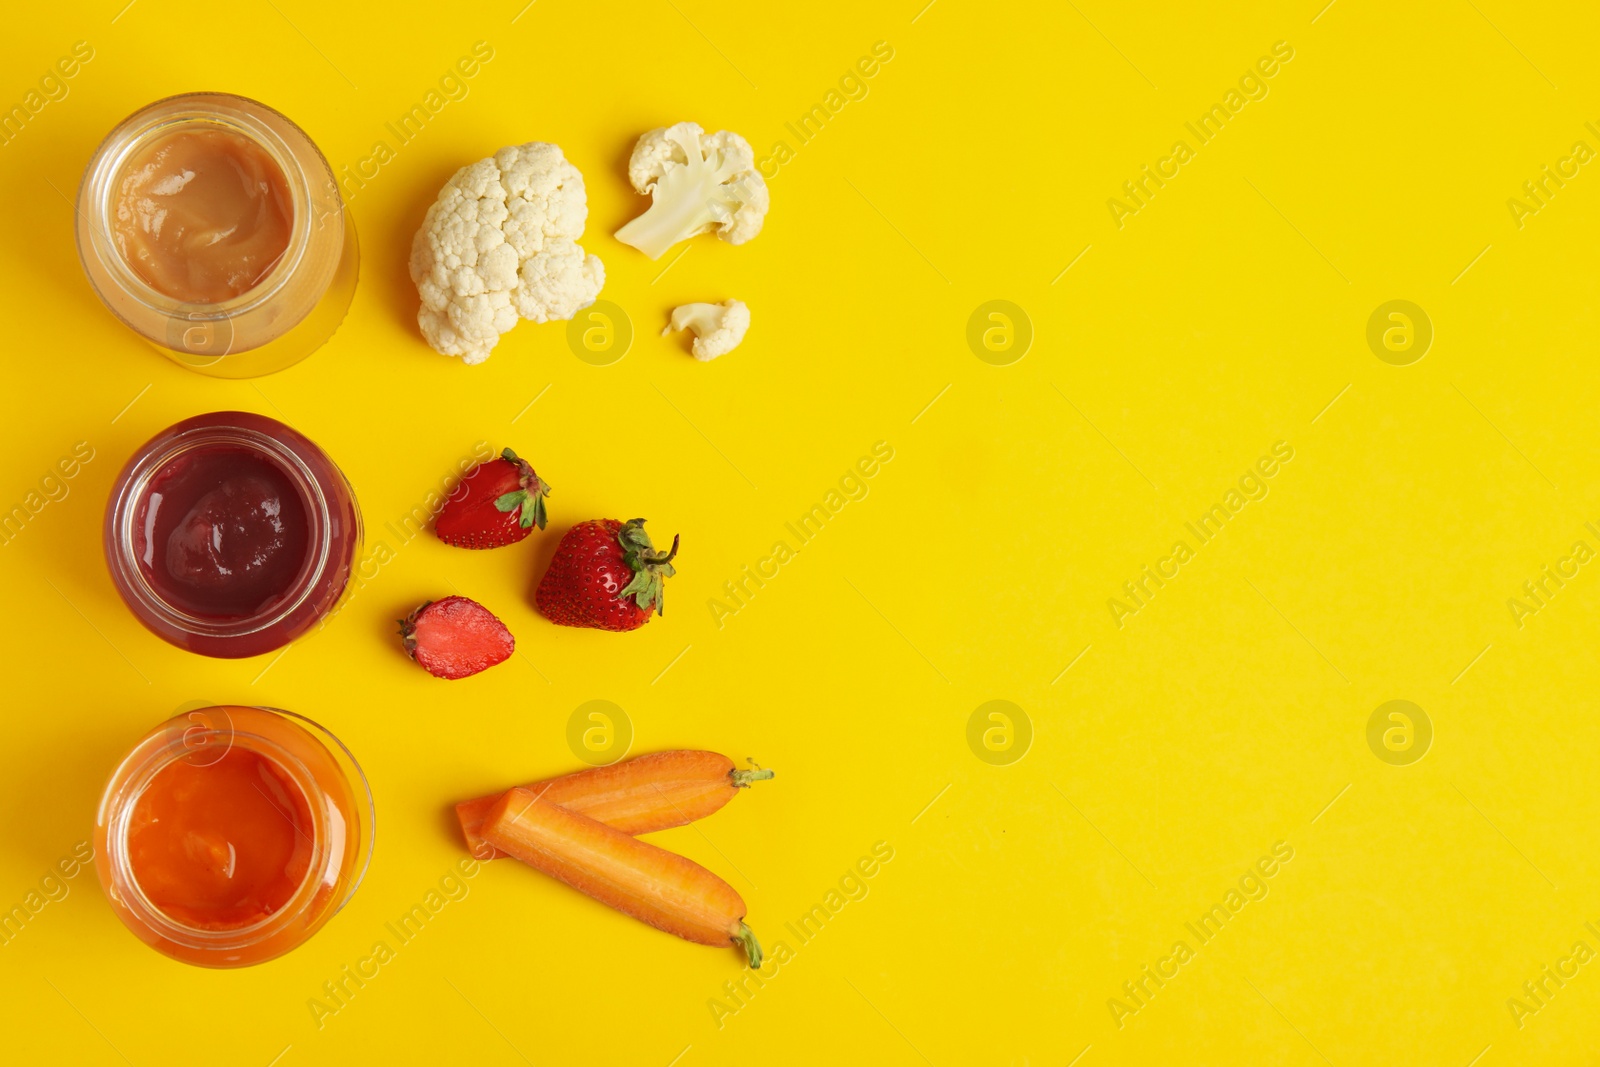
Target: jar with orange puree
[(231, 834), (211, 225)]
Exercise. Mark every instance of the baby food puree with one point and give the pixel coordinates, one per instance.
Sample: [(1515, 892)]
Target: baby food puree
[(201, 215)]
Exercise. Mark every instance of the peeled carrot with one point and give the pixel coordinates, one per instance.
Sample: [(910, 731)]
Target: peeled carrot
[(654, 792), (635, 877)]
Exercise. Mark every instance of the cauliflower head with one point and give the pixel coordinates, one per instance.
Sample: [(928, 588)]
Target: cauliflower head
[(697, 182), (499, 244), (718, 328)]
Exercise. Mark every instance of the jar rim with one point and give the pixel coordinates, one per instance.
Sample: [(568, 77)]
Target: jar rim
[(133, 894), (210, 109), (184, 438), (173, 741)]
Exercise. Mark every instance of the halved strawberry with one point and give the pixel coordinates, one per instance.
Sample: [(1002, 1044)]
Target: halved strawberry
[(455, 637), (497, 503)]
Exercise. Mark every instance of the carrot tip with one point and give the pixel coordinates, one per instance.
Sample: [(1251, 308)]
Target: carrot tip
[(756, 773), (746, 939)]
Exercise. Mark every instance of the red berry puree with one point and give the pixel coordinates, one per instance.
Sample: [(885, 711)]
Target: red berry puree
[(231, 534), (221, 533)]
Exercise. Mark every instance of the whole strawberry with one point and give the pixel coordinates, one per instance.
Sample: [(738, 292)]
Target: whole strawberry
[(606, 574), (455, 637), (497, 503)]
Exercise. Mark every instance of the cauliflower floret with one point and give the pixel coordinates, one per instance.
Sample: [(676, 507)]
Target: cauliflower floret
[(718, 328), (696, 182), (500, 243)]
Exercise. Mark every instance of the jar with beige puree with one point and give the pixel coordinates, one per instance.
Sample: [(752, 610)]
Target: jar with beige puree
[(212, 225)]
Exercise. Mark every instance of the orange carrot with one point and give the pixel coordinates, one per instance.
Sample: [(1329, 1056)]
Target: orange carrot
[(654, 792), (636, 878)]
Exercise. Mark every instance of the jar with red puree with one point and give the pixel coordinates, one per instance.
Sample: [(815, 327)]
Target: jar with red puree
[(230, 834), (231, 534), (212, 225)]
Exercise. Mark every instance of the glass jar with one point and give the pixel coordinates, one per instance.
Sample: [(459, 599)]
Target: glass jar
[(158, 871), (292, 310), (231, 534)]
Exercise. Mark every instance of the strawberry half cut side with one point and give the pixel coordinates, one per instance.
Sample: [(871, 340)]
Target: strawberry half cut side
[(455, 637)]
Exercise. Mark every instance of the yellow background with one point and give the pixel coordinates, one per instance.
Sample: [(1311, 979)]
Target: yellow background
[(1228, 714)]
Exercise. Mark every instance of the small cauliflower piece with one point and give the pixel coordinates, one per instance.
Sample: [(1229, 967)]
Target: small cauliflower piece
[(500, 243), (718, 328), (696, 183)]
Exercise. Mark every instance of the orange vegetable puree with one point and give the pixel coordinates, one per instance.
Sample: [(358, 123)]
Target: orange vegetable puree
[(223, 844), (202, 215)]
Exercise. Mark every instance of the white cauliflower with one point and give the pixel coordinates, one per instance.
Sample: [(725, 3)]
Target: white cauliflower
[(718, 328), (696, 182), (501, 243)]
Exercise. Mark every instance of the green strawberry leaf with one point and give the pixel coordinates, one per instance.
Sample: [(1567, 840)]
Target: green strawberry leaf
[(645, 590), (649, 567), (511, 501), (535, 515), (530, 498)]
